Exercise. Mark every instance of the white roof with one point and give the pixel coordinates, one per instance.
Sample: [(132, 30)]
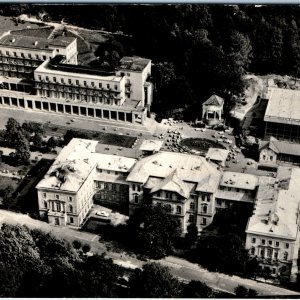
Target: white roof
[(217, 154), (151, 145), (239, 180), (190, 168), (283, 106), (75, 162), (277, 213)]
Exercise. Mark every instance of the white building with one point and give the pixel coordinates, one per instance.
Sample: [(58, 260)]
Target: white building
[(273, 229)]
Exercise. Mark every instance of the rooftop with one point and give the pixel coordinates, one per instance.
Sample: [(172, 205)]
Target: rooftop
[(217, 154), (239, 180), (214, 100), (133, 63), (276, 213), (283, 106), (190, 168), (281, 147), (151, 145), (75, 162), (32, 42)]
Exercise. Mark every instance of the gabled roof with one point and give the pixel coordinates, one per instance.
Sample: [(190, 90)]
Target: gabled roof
[(214, 100), (172, 183), (281, 147)]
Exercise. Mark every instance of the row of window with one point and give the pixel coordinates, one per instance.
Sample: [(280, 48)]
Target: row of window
[(57, 197), (270, 243), (271, 157), (268, 253), (136, 187), (85, 83), (109, 172), (169, 208), (29, 55)]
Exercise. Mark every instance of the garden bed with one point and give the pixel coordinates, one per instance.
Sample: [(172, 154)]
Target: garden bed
[(199, 144)]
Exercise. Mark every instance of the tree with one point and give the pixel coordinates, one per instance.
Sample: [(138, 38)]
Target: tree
[(22, 153), (192, 234), (86, 248), (224, 253), (154, 281), (76, 244), (7, 196), (52, 142), (197, 289), (154, 230), (241, 291), (37, 140), (13, 129)]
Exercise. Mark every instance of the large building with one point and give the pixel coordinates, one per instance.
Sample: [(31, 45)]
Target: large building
[(273, 229), (42, 74), (282, 116)]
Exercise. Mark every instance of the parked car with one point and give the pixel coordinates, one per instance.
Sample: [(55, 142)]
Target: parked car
[(102, 214)]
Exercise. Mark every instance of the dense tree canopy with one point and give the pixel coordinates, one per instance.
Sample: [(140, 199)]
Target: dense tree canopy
[(154, 230)]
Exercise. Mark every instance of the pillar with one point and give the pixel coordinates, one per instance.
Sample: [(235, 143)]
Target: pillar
[(109, 115), (117, 113), (9, 101)]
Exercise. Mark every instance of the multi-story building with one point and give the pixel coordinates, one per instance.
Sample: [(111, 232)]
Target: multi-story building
[(61, 86), (21, 55), (78, 175), (273, 230), (236, 187), (185, 184)]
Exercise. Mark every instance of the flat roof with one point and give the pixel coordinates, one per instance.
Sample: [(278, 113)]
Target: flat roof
[(151, 145), (217, 154), (134, 63), (239, 180), (76, 71), (275, 213), (283, 106), (32, 42)]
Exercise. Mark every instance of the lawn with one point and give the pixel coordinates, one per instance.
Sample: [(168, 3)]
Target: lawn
[(7, 24), (102, 137), (8, 181), (42, 32), (201, 144)]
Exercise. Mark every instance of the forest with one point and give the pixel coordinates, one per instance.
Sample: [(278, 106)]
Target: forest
[(196, 49)]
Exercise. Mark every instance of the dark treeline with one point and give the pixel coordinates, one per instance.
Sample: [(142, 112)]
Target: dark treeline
[(197, 49)]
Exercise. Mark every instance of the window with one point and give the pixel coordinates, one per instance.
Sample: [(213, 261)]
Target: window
[(7, 52), (269, 253), (192, 206), (22, 54), (203, 197), (252, 251), (56, 221), (70, 208), (285, 256), (69, 81), (84, 83), (40, 77), (37, 56), (47, 78), (204, 209), (271, 158), (287, 245), (108, 86), (263, 241), (100, 85), (139, 188), (70, 198), (158, 194), (264, 157), (178, 209), (204, 221), (105, 186), (229, 188), (208, 198), (168, 208), (133, 187), (77, 82), (276, 255), (44, 57), (71, 220), (56, 196), (54, 79), (270, 242), (45, 204), (62, 80), (57, 206), (15, 53), (262, 253), (116, 87), (92, 83), (253, 240), (191, 219), (219, 202), (136, 199), (277, 244), (44, 195)]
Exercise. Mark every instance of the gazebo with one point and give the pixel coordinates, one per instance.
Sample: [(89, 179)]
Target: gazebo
[(212, 110)]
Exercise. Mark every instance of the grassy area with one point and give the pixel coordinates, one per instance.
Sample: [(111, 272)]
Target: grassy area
[(19, 169), (42, 32), (7, 23), (102, 137), (8, 181), (201, 144)]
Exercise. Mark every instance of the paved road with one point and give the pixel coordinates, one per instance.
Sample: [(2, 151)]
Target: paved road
[(181, 268)]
